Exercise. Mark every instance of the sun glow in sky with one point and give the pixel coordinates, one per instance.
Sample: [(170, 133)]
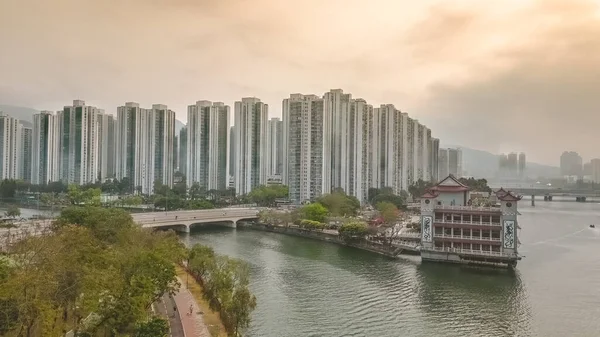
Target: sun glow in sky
[(498, 75)]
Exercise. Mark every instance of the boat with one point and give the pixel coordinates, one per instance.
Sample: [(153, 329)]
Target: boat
[(592, 226)]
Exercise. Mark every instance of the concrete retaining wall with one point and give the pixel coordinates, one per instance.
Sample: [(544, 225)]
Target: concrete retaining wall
[(317, 235)]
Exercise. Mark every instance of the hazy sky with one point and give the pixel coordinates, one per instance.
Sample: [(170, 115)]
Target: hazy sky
[(468, 69)]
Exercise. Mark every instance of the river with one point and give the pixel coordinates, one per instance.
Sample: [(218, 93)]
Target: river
[(311, 288)]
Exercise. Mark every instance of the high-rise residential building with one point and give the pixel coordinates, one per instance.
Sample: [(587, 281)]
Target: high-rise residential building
[(340, 142), (183, 141), (304, 166), (449, 163), (435, 160), (443, 164), (79, 135), (176, 154), (251, 144), (571, 164), (595, 168), (335, 126), (45, 159), (9, 147), (513, 164), (145, 146), (207, 145), (106, 146), (275, 155), (522, 165), (25, 153), (455, 162), (231, 152), (356, 180)]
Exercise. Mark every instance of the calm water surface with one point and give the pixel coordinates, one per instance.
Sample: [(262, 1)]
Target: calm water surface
[(311, 288)]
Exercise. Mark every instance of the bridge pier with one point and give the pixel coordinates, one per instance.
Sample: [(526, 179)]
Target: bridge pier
[(533, 200)]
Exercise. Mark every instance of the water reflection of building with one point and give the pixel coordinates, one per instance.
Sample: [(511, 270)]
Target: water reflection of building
[(483, 302), (454, 231)]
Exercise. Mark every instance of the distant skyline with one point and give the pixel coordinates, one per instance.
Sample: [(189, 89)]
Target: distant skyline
[(467, 69)]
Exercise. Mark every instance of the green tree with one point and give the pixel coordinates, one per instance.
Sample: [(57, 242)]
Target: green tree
[(8, 187), (353, 231), (418, 188), (12, 212), (480, 185), (388, 211), (196, 192), (155, 327), (340, 204), (314, 212), (267, 195), (105, 224)]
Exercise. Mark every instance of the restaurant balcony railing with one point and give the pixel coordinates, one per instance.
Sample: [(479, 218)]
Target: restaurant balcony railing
[(474, 252), (465, 222), (468, 208), (464, 237)]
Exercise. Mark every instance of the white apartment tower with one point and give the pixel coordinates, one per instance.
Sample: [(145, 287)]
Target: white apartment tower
[(208, 145), (45, 160), (79, 138), (251, 144), (145, 145), (106, 146), (305, 167), (9, 147), (25, 148), (275, 156)]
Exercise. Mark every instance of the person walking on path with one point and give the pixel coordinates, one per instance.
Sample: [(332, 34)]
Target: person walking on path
[(191, 309)]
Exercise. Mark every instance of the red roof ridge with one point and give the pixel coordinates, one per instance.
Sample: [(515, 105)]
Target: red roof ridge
[(430, 194)]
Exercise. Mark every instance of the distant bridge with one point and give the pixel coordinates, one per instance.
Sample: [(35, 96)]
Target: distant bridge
[(184, 220)]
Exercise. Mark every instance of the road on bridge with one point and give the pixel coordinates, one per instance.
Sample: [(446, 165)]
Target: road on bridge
[(200, 215)]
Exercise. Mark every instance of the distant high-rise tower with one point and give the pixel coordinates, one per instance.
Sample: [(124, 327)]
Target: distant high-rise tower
[(9, 147), (79, 136), (183, 143), (25, 153), (207, 146), (455, 162), (435, 160), (231, 151), (145, 146), (571, 164), (106, 146), (45, 160), (522, 165), (251, 144), (275, 147)]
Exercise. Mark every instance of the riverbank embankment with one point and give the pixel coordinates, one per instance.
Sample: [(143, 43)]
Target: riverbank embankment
[(370, 246)]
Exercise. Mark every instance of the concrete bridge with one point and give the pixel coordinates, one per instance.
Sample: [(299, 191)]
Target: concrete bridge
[(184, 220)]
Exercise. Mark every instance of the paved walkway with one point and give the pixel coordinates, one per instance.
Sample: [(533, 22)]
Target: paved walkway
[(193, 324), (165, 307)]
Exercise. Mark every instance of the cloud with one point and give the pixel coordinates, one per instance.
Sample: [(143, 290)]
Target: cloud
[(545, 100)]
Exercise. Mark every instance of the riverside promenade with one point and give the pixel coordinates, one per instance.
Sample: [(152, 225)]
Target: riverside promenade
[(176, 310)]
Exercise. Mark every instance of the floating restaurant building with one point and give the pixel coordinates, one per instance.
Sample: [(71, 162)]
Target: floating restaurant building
[(454, 231)]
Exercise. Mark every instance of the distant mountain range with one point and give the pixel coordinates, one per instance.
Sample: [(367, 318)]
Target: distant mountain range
[(24, 115), (483, 164)]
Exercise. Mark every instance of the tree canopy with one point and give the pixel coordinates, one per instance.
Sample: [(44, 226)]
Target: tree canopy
[(386, 194), (339, 203), (388, 211), (480, 185), (266, 196), (225, 282), (353, 230), (93, 262), (418, 188), (314, 212)]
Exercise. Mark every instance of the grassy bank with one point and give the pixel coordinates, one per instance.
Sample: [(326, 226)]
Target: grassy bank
[(211, 318)]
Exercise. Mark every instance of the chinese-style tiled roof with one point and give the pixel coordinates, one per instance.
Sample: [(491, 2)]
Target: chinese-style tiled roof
[(510, 196), (501, 192), (429, 194), (450, 184)]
